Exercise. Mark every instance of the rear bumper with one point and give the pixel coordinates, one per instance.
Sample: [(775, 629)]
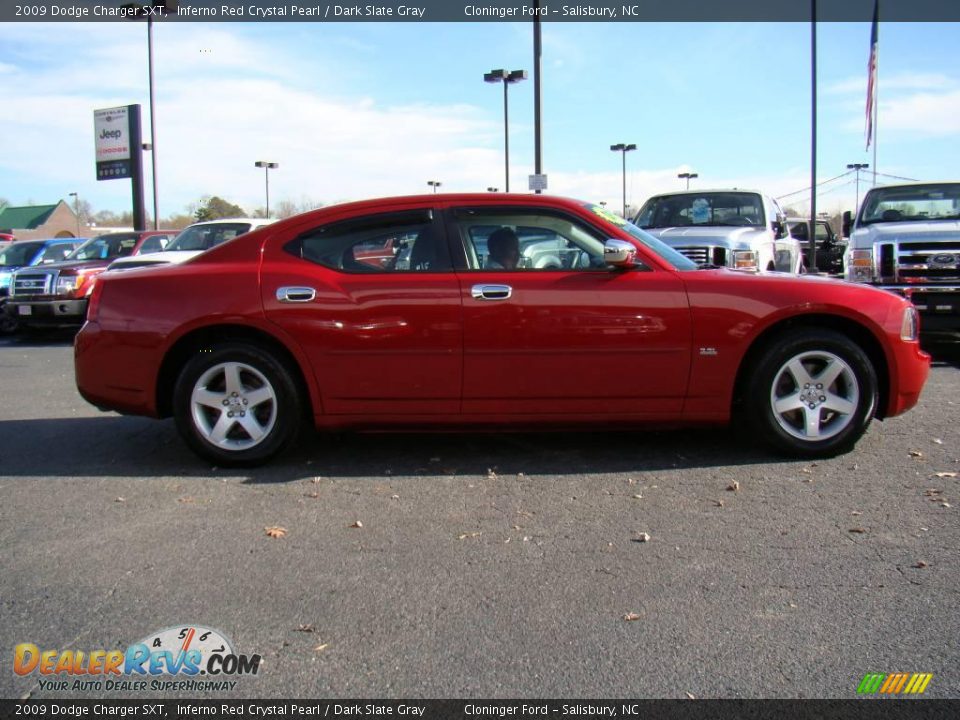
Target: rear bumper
[(47, 312), (110, 376)]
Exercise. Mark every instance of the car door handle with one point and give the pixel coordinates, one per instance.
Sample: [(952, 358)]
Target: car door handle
[(491, 292), (296, 294)]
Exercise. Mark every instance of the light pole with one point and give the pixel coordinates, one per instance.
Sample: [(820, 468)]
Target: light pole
[(434, 184), (687, 176), (76, 209), (857, 167), (267, 167), (506, 77), (493, 189), (624, 149)]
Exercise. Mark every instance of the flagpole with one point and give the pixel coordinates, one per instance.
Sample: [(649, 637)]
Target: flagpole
[(876, 95)]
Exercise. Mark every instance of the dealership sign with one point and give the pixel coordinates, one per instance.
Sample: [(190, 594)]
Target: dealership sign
[(112, 139)]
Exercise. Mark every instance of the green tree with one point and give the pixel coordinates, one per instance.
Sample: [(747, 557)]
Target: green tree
[(215, 208)]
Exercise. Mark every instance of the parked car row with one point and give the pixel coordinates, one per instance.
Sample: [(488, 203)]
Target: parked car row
[(54, 288)]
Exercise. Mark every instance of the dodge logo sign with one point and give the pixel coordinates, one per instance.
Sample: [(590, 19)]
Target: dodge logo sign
[(943, 259)]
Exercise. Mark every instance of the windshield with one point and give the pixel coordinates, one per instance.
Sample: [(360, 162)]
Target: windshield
[(105, 247), (708, 209), (19, 254), (204, 237), (912, 203), (678, 261)]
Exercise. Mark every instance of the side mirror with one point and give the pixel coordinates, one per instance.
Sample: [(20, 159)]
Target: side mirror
[(847, 223), (779, 230), (619, 253)]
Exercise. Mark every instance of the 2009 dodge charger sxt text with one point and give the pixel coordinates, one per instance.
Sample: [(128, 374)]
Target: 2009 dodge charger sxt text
[(488, 310)]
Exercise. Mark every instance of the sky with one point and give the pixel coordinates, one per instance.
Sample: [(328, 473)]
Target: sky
[(353, 111)]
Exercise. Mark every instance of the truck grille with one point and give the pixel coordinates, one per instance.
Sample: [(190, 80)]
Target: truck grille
[(928, 262), (705, 255), (33, 283)]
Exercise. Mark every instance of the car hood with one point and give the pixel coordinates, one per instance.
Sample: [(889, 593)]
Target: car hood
[(74, 265), (167, 257), (736, 238), (907, 231)]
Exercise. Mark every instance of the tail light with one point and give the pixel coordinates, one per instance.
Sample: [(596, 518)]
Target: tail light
[(93, 306)]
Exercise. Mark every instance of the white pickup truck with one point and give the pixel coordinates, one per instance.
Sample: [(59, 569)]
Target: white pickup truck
[(906, 239), (735, 228)]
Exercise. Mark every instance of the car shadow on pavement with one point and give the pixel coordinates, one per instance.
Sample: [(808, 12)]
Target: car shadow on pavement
[(118, 446), (944, 354)]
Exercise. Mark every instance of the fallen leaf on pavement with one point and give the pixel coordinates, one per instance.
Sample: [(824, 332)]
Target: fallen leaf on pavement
[(306, 627), (920, 564), (357, 524), (312, 495), (856, 512), (916, 454), (120, 499), (691, 696), (718, 503), (642, 537), (464, 536), (275, 531), (321, 648), (631, 616), (734, 486), (638, 496), (858, 530), (945, 504), (945, 474)]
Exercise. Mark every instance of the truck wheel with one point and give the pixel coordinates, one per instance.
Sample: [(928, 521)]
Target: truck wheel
[(8, 323), (236, 404), (811, 394)]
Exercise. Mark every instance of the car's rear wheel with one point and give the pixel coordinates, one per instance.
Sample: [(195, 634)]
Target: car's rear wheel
[(812, 393), (236, 404)]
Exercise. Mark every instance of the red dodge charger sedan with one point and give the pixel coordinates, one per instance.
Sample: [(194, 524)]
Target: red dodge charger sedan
[(488, 311)]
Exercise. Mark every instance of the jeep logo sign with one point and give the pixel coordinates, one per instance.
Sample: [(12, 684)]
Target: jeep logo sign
[(111, 134)]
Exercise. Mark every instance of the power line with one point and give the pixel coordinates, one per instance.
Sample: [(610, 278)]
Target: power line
[(897, 177), (807, 189)]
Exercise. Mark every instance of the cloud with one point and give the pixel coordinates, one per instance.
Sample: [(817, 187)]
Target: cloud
[(903, 81)]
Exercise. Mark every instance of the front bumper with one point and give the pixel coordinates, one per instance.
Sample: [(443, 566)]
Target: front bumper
[(939, 308), (51, 313)]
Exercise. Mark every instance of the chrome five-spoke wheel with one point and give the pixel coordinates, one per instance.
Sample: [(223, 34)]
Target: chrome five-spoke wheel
[(814, 395), (237, 403), (810, 392), (233, 406)]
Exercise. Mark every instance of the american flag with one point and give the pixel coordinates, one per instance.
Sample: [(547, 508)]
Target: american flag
[(872, 72)]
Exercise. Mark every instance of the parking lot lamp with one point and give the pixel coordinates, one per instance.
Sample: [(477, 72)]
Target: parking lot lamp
[(267, 167), (857, 167), (76, 209), (624, 149), (687, 176), (434, 184), (506, 77)]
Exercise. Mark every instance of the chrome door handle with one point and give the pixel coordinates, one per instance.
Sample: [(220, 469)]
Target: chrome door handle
[(491, 292), (296, 294)]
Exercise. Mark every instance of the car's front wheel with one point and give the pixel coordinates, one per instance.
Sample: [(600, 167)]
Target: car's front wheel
[(237, 404), (812, 393)]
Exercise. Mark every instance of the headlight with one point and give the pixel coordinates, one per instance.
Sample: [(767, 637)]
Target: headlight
[(910, 327), (68, 283), (744, 260), (860, 266), (5, 279)]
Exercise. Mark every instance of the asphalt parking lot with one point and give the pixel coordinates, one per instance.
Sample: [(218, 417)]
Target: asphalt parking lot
[(485, 565)]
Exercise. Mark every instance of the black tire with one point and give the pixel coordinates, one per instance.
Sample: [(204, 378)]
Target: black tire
[(259, 374), (817, 427)]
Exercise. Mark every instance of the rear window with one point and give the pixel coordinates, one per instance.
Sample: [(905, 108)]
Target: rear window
[(204, 237)]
